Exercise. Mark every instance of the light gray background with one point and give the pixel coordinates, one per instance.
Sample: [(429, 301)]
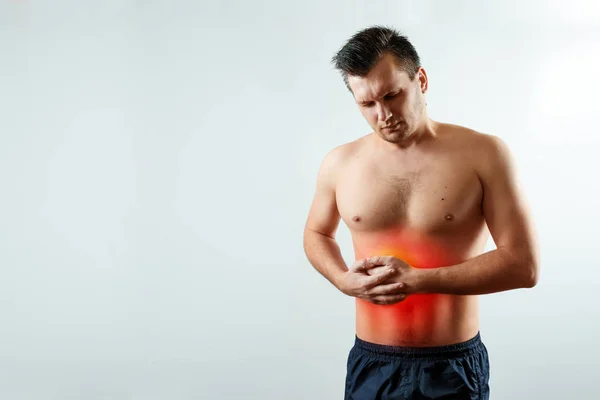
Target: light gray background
[(158, 159)]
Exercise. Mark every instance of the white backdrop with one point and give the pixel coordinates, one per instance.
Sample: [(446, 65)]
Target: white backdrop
[(158, 159)]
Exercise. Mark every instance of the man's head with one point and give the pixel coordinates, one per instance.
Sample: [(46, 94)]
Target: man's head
[(382, 70)]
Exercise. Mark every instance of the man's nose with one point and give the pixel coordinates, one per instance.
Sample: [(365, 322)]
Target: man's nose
[(384, 113)]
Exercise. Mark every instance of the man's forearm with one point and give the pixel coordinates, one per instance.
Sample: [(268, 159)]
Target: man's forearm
[(324, 254), (495, 271)]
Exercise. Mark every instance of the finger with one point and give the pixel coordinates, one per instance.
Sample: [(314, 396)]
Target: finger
[(359, 265), (376, 261), (389, 299), (377, 270), (366, 264), (387, 289), (374, 280)]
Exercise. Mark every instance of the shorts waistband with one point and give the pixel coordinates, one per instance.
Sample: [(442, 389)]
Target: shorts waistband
[(470, 346)]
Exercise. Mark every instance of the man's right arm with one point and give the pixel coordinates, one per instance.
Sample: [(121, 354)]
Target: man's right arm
[(324, 253), (320, 245)]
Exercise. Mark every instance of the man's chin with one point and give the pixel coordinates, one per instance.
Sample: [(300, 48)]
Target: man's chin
[(394, 137)]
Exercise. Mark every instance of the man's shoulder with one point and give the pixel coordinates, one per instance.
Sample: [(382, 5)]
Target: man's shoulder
[(484, 150), (472, 141), (344, 152), (338, 158)]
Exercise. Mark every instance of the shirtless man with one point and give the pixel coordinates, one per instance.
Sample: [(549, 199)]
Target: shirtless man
[(419, 197)]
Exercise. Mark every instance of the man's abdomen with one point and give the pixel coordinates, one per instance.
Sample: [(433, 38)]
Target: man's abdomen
[(419, 320)]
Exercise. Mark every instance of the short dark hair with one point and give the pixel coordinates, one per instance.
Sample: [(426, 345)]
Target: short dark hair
[(365, 48)]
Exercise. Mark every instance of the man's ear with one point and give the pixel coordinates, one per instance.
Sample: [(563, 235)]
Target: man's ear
[(424, 82)]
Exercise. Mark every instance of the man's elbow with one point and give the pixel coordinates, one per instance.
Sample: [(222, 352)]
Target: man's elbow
[(306, 241), (525, 266), (532, 274)]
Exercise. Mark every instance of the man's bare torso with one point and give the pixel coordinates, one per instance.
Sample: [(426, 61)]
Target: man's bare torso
[(424, 206)]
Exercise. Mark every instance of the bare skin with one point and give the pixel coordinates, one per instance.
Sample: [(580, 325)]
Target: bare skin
[(420, 201)]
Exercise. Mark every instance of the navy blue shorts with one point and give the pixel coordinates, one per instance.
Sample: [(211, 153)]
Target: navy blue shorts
[(458, 371)]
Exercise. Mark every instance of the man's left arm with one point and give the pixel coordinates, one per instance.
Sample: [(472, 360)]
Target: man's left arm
[(515, 261)]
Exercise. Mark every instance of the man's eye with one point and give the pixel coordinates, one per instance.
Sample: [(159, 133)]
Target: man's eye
[(391, 96)]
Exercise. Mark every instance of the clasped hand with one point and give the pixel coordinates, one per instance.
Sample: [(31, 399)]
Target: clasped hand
[(380, 280)]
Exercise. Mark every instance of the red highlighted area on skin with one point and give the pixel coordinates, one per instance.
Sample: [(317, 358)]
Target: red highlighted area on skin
[(419, 319)]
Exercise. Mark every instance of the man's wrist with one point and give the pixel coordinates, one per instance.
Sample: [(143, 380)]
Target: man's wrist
[(338, 280), (427, 280)]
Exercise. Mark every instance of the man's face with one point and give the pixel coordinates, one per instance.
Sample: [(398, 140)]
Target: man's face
[(392, 104)]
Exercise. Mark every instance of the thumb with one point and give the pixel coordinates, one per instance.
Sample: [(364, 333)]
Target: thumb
[(359, 265)]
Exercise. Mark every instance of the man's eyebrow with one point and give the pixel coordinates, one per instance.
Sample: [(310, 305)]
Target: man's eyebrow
[(391, 90)]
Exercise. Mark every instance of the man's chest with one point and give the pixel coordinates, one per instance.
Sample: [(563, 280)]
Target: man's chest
[(437, 197)]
